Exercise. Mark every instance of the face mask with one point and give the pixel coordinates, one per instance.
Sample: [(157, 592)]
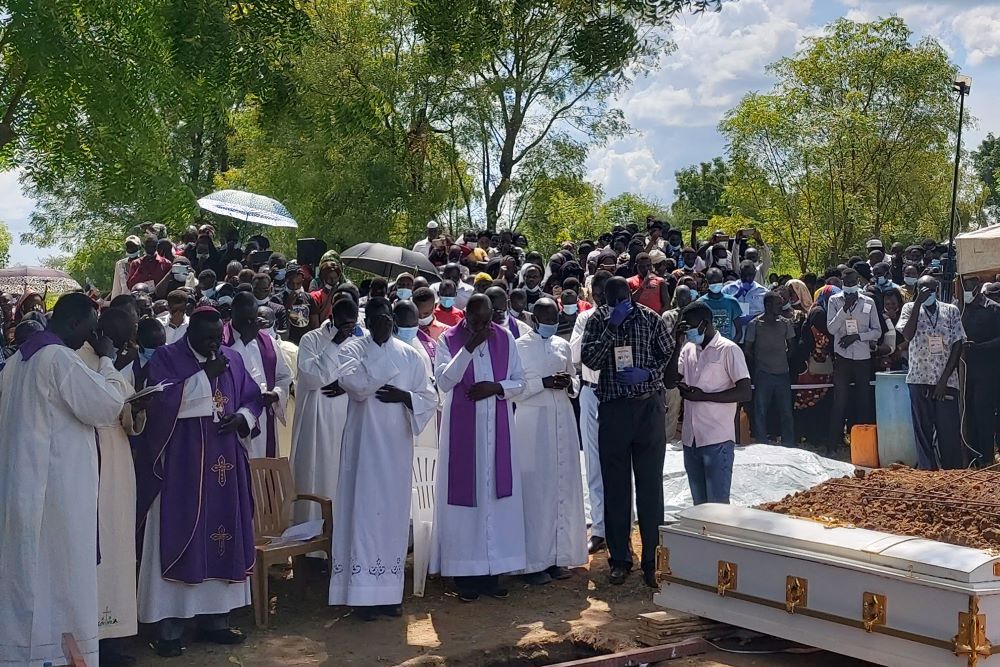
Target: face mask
[(146, 354), (425, 321), (715, 288), (263, 302), (851, 290), (724, 263), (404, 294), (547, 330), (180, 276), (570, 308), (279, 275), (695, 336), (882, 281), (202, 256), (936, 263), (447, 302), (910, 281), (931, 300), (132, 255), (406, 334), (969, 296), (534, 290)]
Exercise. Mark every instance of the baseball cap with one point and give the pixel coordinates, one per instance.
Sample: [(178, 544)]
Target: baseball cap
[(432, 225), (874, 244)]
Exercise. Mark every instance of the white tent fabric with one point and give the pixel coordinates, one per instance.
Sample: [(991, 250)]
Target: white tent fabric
[(979, 250), (761, 474)]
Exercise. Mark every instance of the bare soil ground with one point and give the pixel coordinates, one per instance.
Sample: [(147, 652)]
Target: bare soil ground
[(565, 620)]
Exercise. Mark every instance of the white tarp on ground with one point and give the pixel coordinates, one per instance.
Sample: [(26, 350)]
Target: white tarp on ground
[(761, 473)]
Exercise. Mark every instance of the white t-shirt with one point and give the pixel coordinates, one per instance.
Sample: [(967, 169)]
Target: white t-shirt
[(716, 367)]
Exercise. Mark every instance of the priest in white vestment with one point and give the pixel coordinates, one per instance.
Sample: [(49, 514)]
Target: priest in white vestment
[(391, 399), (479, 511), (116, 503), (321, 409), (548, 449), (266, 364), (50, 404)]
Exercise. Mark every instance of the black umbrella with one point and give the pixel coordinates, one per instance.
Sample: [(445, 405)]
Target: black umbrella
[(388, 261)]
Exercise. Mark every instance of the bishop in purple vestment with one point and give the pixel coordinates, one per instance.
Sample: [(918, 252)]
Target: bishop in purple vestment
[(195, 510)]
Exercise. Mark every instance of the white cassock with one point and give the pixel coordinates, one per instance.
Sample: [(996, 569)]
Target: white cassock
[(371, 514), (290, 351), (49, 407), (319, 420), (116, 609), (282, 381), (548, 449), (488, 538), (429, 436), (174, 333)]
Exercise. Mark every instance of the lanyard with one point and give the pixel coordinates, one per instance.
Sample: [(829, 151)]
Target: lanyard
[(937, 318)]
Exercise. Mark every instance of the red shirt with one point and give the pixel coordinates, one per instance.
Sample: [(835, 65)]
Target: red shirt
[(649, 295), (448, 317), (147, 269)]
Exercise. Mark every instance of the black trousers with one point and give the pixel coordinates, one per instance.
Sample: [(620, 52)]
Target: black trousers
[(632, 441), (937, 429), (846, 371), (980, 418)]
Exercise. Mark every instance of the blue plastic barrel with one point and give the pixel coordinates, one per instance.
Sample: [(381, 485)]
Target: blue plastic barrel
[(893, 419)]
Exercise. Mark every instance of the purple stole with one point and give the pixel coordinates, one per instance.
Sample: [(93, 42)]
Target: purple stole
[(201, 476), (269, 356), (37, 341), (462, 422), (512, 325), (430, 347)]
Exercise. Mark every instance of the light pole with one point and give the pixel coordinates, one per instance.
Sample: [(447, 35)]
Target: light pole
[(962, 86)]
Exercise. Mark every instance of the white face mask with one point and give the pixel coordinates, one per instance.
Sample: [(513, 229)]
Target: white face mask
[(425, 321)]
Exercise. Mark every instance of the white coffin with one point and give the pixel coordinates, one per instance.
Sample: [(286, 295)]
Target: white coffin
[(928, 587)]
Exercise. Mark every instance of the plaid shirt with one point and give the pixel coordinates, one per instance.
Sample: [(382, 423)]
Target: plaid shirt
[(651, 344)]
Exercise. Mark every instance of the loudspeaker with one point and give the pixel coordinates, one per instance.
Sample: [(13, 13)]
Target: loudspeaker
[(308, 251)]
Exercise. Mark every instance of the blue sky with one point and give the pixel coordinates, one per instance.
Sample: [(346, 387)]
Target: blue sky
[(719, 58)]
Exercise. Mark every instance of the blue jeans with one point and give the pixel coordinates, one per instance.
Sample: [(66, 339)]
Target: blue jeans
[(770, 389), (710, 472)]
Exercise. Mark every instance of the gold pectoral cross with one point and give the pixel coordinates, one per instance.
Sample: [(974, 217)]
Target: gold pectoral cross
[(218, 405)]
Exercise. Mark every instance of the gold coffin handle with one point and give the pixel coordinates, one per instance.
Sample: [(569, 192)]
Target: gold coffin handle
[(796, 593), (873, 610), (662, 564), (727, 577), (971, 638)]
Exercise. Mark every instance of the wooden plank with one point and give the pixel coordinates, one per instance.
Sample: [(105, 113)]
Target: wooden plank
[(72, 651), (630, 658)]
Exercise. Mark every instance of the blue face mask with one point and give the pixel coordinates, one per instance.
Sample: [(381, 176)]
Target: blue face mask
[(146, 354), (570, 308), (695, 336), (404, 294), (406, 334), (851, 290), (910, 281), (547, 330), (715, 288), (931, 300), (447, 302), (279, 275), (882, 281)]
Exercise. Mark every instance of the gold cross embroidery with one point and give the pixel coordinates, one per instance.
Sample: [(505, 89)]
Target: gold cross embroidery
[(221, 536), (221, 467), (218, 404)]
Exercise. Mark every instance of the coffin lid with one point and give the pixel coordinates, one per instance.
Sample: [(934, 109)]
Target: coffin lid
[(780, 532)]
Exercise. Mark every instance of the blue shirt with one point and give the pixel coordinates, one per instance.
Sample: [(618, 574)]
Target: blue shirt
[(726, 311), (751, 299)]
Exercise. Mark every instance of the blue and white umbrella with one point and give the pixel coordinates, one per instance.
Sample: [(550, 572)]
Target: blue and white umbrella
[(248, 207)]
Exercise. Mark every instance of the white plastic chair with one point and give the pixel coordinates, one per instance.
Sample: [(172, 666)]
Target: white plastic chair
[(422, 510)]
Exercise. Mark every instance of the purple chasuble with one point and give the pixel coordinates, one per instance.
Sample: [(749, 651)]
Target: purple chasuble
[(268, 356), (462, 422), (37, 341), (201, 476)]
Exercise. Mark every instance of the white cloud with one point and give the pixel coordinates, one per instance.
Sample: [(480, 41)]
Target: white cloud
[(625, 168), (979, 31)]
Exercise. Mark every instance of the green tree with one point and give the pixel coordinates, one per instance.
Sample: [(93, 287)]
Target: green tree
[(853, 142), (530, 71), (5, 241), (986, 161), (699, 190)]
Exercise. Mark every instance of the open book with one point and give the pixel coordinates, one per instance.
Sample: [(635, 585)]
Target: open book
[(152, 389)]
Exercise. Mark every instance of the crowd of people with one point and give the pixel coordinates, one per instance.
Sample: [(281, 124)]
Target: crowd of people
[(506, 363)]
